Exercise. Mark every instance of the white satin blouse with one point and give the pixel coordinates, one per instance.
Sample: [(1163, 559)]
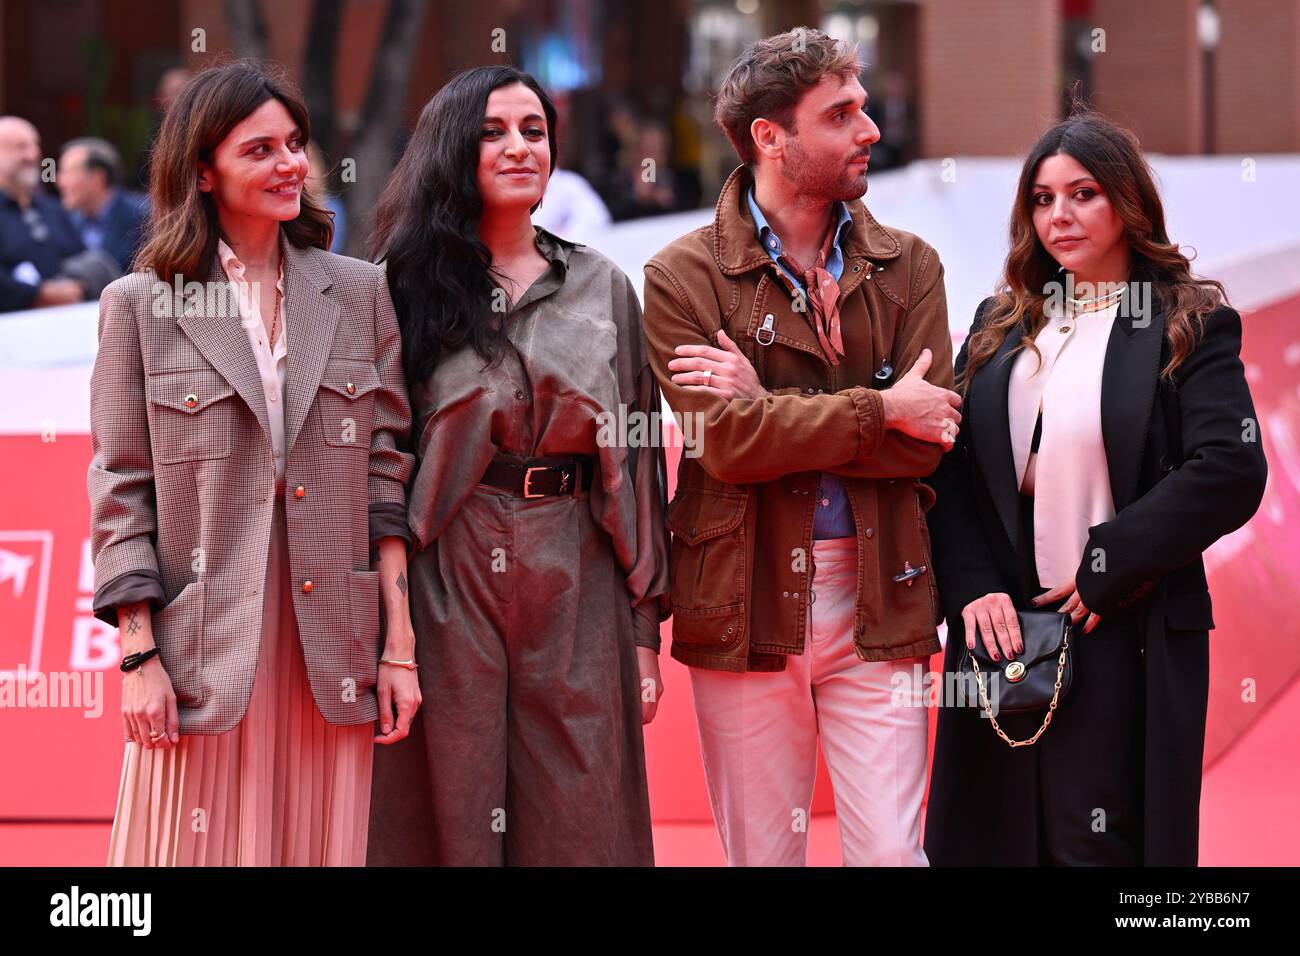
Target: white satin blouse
[(1068, 477)]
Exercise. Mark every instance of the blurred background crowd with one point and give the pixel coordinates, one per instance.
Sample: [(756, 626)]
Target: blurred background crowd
[(83, 84)]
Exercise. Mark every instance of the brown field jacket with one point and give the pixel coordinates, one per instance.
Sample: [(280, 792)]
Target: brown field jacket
[(742, 516)]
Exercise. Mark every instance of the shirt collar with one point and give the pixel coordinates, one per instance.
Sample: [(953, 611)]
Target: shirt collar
[(556, 251), (553, 248), (235, 269), (771, 242), (229, 261)]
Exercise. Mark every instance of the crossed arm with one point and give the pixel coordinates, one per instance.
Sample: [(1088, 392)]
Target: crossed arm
[(754, 435)]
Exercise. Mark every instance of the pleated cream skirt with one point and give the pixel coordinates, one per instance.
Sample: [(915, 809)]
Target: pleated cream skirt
[(283, 788)]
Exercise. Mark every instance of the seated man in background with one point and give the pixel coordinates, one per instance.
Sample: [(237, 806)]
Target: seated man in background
[(106, 216), (36, 235)]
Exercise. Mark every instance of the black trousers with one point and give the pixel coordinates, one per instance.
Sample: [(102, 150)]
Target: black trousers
[(1090, 760)]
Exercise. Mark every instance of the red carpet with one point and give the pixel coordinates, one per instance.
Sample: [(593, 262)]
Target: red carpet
[(1247, 813)]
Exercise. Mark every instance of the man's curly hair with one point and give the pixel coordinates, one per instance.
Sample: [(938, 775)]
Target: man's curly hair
[(770, 78)]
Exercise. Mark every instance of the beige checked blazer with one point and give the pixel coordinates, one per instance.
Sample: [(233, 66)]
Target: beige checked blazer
[(182, 480)]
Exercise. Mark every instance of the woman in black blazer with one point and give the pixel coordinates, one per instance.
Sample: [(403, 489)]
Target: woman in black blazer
[(1116, 777)]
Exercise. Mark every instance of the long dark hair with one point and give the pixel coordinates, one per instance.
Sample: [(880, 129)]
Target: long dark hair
[(426, 225), (183, 228), (1113, 156)]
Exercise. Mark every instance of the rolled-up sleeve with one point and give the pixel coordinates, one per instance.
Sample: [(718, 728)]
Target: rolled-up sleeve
[(388, 520), (119, 481), (653, 605), (648, 580), (390, 462), (128, 589)]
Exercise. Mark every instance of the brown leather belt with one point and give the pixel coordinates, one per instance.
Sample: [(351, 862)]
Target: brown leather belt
[(540, 477)]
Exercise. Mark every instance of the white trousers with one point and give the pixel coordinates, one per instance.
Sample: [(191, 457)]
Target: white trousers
[(758, 737)]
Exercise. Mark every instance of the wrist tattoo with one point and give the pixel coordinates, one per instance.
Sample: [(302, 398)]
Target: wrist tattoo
[(132, 622)]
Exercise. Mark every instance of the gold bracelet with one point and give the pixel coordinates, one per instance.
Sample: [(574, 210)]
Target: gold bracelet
[(409, 665)]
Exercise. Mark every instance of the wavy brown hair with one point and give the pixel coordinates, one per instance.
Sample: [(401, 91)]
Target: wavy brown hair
[(1113, 157), (183, 229), (770, 78)]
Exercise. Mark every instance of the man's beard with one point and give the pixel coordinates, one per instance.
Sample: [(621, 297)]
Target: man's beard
[(27, 178), (827, 180)]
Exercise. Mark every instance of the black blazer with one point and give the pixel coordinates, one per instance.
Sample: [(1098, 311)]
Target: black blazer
[(1186, 467)]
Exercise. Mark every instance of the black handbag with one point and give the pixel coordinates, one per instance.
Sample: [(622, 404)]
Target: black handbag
[(1037, 679)]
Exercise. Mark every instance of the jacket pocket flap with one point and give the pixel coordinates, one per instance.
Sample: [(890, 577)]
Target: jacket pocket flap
[(695, 516), (351, 379), (1189, 611), (188, 390), (721, 627)]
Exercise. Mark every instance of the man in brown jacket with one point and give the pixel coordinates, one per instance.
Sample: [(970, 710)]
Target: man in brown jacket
[(809, 346)]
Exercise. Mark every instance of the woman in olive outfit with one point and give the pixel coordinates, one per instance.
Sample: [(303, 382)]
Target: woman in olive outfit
[(540, 573)]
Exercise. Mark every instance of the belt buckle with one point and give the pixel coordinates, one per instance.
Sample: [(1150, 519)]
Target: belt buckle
[(528, 477)]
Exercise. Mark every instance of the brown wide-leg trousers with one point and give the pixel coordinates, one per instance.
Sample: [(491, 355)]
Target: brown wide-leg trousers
[(527, 749)]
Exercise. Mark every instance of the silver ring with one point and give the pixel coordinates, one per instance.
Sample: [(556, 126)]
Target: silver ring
[(708, 374)]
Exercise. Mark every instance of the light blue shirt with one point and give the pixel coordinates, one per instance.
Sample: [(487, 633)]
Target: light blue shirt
[(91, 228), (834, 515)]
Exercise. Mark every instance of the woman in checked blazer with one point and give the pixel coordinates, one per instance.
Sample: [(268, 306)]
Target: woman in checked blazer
[(248, 411)]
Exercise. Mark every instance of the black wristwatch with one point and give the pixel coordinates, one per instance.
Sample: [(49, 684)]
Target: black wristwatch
[(135, 661)]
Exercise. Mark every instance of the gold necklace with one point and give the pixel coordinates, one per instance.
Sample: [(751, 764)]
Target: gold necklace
[(275, 316), (1096, 304)]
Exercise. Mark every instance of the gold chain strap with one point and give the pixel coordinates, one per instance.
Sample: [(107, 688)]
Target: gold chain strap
[(1056, 696)]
